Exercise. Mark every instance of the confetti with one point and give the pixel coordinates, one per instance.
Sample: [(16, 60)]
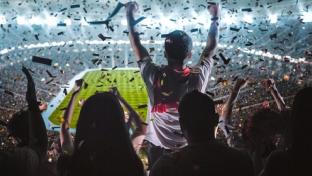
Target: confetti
[(147, 9), (247, 10), (75, 6), (9, 93), (102, 37), (42, 60), (234, 29)]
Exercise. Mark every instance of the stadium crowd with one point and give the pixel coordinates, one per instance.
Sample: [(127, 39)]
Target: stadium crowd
[(250, 125)]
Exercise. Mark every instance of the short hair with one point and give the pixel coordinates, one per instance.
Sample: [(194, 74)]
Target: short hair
[(101, 114), (197, 114), (177, 45), (301, 116), (18, 126), (262, 125), (102, 142)]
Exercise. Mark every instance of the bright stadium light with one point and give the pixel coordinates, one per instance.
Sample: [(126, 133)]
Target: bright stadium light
[(123, 22), (273, 18), (36, 20), (21, 20), (306, 17), (2, 19), (229, 19), (68, 22), (200, 19), (51, 21), (166, 22), (248, 18), (83, 22)]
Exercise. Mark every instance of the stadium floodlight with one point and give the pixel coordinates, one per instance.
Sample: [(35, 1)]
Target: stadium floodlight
[(36, 20), (51, 21), (83, 22), (167, 23), (306, 17), (273, 18), (68, 22), (229, 19), (123, 22), (21, 20), (2, 19), (200, 19), (248, 18)]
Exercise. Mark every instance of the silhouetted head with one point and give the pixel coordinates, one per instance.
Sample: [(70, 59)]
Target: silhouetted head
[(178, 47), (18, 127), (102, 143), (301, 119), (261, 128), (198, 118)]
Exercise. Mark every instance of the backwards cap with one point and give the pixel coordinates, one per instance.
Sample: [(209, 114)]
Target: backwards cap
[(177, 45)]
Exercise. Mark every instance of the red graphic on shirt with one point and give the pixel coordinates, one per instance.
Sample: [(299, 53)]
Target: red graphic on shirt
[(162, 108)]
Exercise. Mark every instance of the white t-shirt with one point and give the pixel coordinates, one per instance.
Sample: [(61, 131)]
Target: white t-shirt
[(166, 86)]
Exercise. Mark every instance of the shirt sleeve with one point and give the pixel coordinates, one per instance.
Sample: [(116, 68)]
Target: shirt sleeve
[(148, 70), (202, 71)]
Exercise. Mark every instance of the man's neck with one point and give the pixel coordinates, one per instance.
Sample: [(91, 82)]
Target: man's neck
[(176, 66), (202, 141)]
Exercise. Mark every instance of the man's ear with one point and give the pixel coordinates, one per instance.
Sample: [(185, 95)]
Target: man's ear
[(189, 55), (188, 58), (165, 54)]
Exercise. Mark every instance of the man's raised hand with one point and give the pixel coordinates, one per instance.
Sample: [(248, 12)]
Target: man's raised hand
[(114, 91), (78, 85), (132, 6), (240, 83), (214, 10), (268, 84), (25, 71)]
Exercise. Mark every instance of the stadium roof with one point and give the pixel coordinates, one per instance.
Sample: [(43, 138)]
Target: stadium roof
[(276, 29)]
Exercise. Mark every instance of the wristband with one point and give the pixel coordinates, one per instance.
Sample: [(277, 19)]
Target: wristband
[(214, 18)]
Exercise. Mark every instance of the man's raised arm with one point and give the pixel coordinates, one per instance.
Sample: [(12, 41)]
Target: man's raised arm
[(270, 86), (226, 114), (38, 139), (65, 136), (213, 35), (204, 66), (137, 47)]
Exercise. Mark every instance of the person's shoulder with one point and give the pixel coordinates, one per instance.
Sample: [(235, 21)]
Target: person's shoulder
[(24, 154), (23, 151), (238, 153), (169, 158), (147, 60), (232, 154), (239, 162), (279, 156), (195, 69), (164, 165), (277, 163)]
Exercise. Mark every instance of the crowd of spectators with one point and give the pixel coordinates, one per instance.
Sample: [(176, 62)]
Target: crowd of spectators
[(251, 98)]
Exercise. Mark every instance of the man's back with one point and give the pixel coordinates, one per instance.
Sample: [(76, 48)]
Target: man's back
[(163, 131), (166, 86), (204, 159)]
